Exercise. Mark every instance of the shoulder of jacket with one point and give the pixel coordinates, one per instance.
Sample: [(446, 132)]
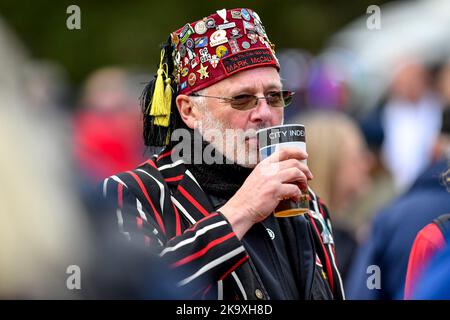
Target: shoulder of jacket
[(133, 180)]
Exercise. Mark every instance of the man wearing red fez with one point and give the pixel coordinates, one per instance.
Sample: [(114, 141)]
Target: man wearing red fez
[(205, 208)]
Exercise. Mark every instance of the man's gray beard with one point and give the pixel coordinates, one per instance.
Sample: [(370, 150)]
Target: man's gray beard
[(230, 142)]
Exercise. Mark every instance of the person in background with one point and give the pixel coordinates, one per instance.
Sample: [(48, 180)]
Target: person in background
[(431, 240), (57, 240), (436, 235), (341, 162), (107, 127), (395, 227), (41, 228), (411, 122)]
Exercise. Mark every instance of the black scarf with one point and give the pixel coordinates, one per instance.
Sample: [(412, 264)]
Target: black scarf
[(219, 180)]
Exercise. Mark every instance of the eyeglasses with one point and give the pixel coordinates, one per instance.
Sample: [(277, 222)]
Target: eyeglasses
[(276, 99)]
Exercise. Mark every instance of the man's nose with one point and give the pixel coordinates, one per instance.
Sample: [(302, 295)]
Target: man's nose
[(262, 112)]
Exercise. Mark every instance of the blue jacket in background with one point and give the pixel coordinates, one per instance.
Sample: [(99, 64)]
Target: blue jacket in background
[(392, 234)]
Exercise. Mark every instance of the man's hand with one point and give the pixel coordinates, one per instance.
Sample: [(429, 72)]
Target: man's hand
[(280, 176)]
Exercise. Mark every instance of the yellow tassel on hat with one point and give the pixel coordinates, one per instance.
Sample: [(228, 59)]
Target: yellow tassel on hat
[(162, 97), (165, 119)]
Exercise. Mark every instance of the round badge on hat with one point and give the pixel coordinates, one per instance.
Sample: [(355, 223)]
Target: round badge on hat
[(245, 45), (210, 23), (221, 51), (192, 79), (190, 43), (200, 27)]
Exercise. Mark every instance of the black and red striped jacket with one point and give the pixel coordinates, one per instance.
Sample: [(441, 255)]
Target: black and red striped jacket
[(161, 205)]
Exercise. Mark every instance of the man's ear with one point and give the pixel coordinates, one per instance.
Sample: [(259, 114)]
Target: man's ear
[(188, 112)]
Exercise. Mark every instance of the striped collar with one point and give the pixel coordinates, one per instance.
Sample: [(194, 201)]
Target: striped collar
[(185, 188)]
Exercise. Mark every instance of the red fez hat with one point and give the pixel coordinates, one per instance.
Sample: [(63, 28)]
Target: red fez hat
[(198, 55), (218, 46)]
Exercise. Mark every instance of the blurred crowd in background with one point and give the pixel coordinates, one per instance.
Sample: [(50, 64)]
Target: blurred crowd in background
[(372, 102)]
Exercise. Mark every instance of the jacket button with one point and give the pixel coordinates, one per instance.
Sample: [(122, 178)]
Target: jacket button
[(259, 294)]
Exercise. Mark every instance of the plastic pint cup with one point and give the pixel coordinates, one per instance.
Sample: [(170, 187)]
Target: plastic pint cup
[(276, 138)]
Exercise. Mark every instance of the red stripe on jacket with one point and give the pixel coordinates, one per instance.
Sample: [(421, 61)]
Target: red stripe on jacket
[(203, 251), (177, 221), (144, 190), (150, 162), (173, 179), (193, 201), (237, 264), (168, 153)]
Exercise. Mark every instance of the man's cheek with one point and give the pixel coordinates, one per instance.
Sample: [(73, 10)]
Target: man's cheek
[(279, 117)]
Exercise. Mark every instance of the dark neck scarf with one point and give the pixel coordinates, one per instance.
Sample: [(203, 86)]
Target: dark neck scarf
[(219, 180)]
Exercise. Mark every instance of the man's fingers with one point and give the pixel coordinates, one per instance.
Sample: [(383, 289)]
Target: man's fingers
[(293, 163), (287, 153), (292, 175), (289, 191)]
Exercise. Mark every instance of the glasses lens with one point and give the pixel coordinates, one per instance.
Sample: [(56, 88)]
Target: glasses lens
[(275, 99), (287, 97), (243, 102), (279, 99)]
